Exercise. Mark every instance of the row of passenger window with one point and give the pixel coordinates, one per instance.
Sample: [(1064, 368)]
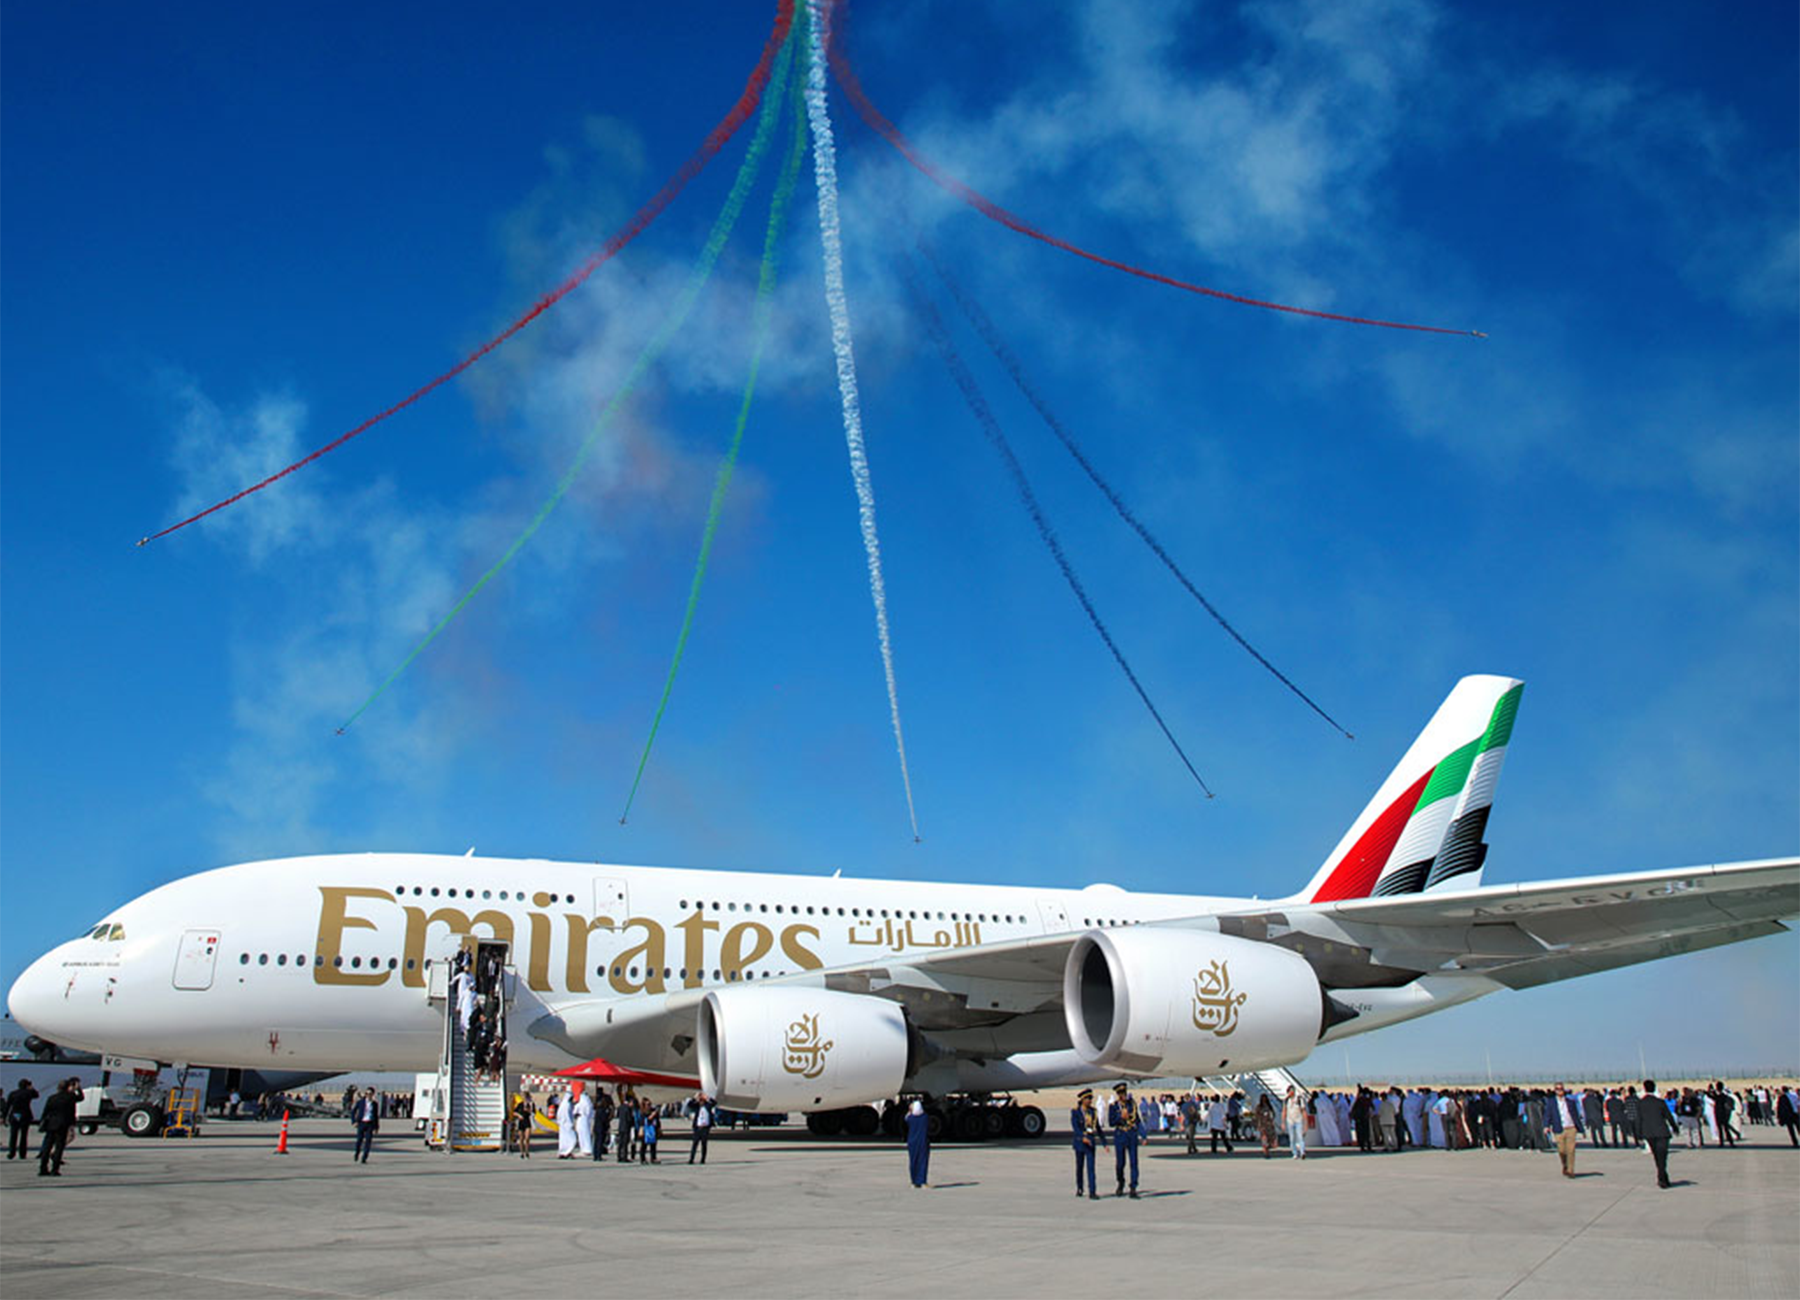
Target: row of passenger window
[(779, 909), (393, 963), (860, 913), (300, 959), (504, 895)]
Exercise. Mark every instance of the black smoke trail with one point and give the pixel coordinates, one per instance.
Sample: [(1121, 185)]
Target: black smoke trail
[(984, 416), (978, 318)]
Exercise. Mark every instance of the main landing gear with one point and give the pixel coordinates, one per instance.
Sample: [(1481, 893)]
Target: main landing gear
[(948, 1119)]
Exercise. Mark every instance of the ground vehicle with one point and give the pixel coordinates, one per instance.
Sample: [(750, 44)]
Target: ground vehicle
[(140, 1107)]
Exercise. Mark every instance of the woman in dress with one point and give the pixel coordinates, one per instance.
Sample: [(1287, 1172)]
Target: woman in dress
[(1265, 1125), (524, 1118)]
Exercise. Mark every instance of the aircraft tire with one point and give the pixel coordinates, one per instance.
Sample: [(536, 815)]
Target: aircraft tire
[(825, 1123), (862, 1121), (141, 1121), (993, 1122), (1031, 1122), (936, 1124), (969, 1126)]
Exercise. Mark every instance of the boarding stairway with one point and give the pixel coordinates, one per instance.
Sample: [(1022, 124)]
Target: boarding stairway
[(1255, 1084), (469, 1108)]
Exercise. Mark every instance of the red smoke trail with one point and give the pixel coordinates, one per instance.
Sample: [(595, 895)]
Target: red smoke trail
[(727, 127), (846, 76)]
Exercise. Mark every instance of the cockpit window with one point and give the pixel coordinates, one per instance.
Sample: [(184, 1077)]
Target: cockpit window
[(116, 933), (98, 932), (111, 931)]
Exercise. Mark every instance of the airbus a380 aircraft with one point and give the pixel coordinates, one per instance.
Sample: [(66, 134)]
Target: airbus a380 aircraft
[(800, 993)]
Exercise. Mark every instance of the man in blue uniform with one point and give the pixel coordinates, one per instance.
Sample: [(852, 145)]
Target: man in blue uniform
[(1084, 1129), (1127, 1129)]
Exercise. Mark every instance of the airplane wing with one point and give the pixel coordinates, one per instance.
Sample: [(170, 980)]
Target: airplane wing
[(995, 1000), (1524, 935)]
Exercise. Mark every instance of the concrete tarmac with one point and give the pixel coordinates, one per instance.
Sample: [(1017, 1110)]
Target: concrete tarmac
[(776, 1213)]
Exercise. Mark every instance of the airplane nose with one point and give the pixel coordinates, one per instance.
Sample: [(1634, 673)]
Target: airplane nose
[(33, 998)]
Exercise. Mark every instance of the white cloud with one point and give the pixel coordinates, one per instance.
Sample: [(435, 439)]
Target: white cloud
[(348, 580)]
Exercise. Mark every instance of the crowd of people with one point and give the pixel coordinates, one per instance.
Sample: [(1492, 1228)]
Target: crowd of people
[(1373, 1118), (55, 1123), (1457, 1119), (475, 989), (592, 1122)]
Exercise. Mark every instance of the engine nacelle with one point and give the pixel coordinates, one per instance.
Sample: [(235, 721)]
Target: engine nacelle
[(799, 1048), (1189, 1002)]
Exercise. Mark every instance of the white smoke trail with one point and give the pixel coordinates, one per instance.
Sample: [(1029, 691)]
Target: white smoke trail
[(825, 174)]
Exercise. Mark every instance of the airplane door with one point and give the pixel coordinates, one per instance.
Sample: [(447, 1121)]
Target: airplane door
[(195, 958), (1056, 916), (612, 899)]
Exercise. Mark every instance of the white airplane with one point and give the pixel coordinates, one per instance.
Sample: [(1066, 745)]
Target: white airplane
[(779, 992)]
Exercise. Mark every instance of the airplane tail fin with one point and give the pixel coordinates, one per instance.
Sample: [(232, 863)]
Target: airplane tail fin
[(1423, 829)]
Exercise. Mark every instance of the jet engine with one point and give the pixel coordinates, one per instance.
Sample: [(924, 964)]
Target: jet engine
[(1189, 1002), (800, 1048)]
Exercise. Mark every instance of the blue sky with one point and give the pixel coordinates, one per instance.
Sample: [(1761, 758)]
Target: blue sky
[(232, 233)]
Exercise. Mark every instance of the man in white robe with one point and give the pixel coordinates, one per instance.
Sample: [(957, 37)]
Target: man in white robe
[(1346, 1125), (463, 990), (1412, 1110), (565, 1125), (1434, 1120), (584, 1124), (1326, 1112)]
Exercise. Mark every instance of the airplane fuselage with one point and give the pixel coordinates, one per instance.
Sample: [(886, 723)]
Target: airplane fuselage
[(322, 962)]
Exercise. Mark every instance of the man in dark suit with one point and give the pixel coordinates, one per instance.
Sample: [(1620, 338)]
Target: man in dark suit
[(1359, 1119), (367, 1115), (1615, 1115), (19, 1120), (1593, 1110), (58, 1118), (1655, 1126), (1562, 1117)]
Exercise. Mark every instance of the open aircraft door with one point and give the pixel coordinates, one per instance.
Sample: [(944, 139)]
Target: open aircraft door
[(195, 959)]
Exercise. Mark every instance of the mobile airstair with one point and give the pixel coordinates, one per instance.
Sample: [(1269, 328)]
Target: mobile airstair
[(1254, 1084), (468, 1107)]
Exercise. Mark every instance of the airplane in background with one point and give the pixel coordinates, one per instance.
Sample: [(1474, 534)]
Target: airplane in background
[(799, 993)]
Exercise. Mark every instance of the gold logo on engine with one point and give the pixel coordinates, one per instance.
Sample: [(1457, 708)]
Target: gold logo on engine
[(803, 1051), (1215, 1005)]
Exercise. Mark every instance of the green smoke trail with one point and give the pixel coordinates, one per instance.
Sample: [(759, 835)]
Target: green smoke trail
[(748, 171), (765, 288)]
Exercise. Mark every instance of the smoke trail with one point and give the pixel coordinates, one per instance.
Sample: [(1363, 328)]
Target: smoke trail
[(765, 289), (846, 76), (715, 141), (972, 311), (709, 256), (984, 415), (825, 175)]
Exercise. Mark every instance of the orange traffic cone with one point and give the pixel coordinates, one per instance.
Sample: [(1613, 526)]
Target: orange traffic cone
[(281, 1146)]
